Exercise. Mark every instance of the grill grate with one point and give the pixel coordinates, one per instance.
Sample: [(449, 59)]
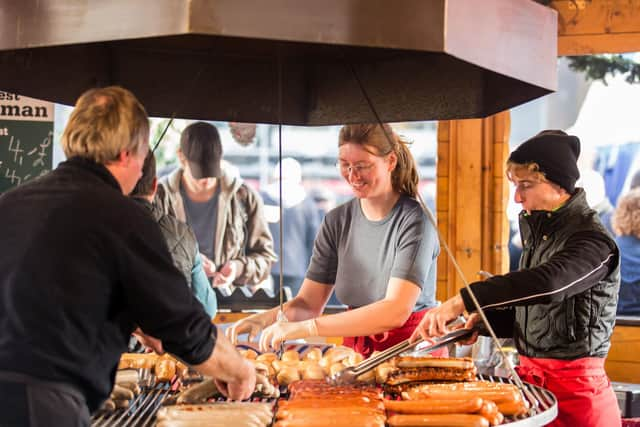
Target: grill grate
[(544, 406), (141, 411)]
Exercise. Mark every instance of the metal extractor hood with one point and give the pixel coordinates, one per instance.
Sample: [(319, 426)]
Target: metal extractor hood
[(294, 62)]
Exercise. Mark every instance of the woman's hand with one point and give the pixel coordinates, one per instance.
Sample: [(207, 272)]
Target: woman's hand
[(434, 322), (279, 332), (251, 325)]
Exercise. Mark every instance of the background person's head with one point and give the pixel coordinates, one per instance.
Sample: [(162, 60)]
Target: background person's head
[(374, 159), (626, 218), (544, 170), (110, 127), (291, 171), (148, 183), (201, 153)]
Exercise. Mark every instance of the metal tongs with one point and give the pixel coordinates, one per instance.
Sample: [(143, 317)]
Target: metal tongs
[(349, 375)]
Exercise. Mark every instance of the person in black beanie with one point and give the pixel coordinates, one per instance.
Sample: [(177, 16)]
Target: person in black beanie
[(556, 155), (560, 306)]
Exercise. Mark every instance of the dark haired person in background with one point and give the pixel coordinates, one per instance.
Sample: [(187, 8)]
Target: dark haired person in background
[(225, 213), (181, 241)]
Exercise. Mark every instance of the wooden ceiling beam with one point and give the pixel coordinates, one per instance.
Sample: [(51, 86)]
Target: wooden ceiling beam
[(587, 27)]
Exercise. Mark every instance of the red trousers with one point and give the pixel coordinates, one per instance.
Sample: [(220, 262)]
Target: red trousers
[(369, 344), (584, 392)]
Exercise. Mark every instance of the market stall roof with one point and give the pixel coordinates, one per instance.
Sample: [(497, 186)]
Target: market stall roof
[(227, 59)]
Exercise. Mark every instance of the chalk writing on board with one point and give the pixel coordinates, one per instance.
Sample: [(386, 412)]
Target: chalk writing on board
[(25, 153)]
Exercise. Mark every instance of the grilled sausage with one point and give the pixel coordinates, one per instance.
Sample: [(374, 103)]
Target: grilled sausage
[(433, 406), (121, 393), (438, 420), (199, 393)]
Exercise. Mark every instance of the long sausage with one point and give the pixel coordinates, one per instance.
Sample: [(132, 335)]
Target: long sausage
[(199, 393), (435, 362), (497, 396), (438, 420), (324, 421), (513, 408), (433, 406)]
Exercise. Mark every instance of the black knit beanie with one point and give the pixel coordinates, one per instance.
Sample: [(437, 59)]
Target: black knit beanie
[(556, 153)]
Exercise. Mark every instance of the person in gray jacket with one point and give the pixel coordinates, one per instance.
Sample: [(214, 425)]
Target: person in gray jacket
[(181, 240), (225, 214)]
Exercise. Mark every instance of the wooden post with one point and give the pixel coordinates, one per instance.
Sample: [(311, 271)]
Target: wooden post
[(472, 198)]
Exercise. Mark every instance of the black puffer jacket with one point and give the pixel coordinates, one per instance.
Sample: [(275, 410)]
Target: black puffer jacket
[(561, 304)]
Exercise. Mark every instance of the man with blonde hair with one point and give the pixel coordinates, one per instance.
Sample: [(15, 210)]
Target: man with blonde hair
[(82, 266), (560, 306)]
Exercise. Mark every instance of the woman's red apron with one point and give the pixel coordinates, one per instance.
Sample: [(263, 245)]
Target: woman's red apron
[(368, 344), (584, 392)]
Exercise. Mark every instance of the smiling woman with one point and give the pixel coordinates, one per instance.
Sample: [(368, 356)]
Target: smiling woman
[(377, 251)]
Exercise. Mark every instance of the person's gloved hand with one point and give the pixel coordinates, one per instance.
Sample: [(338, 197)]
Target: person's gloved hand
[(251, 325), (279, 332)]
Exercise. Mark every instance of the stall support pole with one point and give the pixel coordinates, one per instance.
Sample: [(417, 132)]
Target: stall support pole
[(472, 195)]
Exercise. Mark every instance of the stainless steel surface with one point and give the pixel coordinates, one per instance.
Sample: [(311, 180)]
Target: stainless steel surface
[(418, 59), (544, 406), (141, 411), (350, 374)]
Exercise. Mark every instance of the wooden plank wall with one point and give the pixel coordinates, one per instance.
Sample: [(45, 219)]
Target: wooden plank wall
[(471, 201), (623, 363), (597, 26)]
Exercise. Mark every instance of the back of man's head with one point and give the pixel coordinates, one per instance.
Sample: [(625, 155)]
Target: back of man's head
[(146, 185), (104, 123)]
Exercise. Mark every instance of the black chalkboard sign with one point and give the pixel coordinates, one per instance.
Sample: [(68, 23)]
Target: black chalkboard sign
[(26, 139)]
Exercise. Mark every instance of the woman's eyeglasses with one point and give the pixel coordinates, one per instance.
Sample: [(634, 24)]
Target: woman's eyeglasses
[(359, 168)]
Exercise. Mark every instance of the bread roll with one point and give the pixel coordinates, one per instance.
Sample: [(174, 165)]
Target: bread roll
[(353, 359), (287, 375), (266, 357), (165, 370), (313, 372), (290, 356), (335, 368), (262, 368), (314, 354), (279, 364), (382, 372), (336, 356), (248, 353)]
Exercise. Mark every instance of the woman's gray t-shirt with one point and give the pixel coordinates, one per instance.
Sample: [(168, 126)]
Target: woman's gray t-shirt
[(360, 256)]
